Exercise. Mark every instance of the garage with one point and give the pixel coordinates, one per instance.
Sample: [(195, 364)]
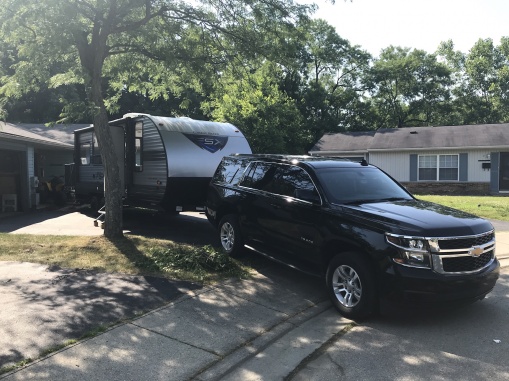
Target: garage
[(27, 156), (10, 171)]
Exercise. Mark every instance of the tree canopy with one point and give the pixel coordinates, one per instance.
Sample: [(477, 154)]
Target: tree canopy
[(282, 77)]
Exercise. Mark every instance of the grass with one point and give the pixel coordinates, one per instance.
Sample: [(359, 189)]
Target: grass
[(134, 255), (491, 207), (129, 255)]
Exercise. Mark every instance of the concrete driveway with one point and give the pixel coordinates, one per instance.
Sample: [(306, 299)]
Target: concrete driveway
[(277, 326), (184, 228)]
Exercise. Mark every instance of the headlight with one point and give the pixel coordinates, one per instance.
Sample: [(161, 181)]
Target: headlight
[(413, 251)]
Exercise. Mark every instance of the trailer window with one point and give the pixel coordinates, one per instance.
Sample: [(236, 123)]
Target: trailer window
[(138, 144), (96, 153), (85, 153)]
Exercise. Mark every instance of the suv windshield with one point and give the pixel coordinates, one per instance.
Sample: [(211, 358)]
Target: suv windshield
[(356, 185)]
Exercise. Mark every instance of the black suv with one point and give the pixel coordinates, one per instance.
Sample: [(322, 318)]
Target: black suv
[(354, 224)]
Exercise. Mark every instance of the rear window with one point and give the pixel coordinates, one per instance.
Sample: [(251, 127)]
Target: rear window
[(230, 170)]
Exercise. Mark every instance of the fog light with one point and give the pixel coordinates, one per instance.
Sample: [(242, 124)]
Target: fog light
[(414, 259)]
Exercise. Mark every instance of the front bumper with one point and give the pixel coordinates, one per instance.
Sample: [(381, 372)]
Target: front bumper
[(408, 283)]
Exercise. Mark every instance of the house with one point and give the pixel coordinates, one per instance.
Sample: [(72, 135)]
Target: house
[(471, 159), (30, 153)]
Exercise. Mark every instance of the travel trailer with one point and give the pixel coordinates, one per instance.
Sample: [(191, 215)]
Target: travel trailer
[(167, 162)]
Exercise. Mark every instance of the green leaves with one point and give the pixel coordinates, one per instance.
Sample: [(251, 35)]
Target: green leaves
[(267, 116), (408, 87)]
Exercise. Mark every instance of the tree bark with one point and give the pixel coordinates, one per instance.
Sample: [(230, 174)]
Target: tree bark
[(92, 54)]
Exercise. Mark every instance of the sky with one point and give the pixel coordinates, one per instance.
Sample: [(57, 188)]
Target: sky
[(420, 24)]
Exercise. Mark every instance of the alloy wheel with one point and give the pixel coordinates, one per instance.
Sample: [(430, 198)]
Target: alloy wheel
[(347, 286)]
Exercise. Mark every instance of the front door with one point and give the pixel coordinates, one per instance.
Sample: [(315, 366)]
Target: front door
[(504, 172)]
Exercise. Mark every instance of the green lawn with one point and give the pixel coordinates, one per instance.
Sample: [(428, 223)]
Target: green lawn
[(491, 207)]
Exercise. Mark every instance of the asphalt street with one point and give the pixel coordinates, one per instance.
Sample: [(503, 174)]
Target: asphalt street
[(461, 343)]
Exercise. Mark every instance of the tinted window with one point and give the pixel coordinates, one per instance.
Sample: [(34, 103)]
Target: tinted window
[(289, 179), (355, 184), (260, 176), (230, 170)]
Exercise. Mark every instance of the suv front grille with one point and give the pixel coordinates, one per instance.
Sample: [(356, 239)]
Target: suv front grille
[(463, 255), (465, 243), (466, 263)]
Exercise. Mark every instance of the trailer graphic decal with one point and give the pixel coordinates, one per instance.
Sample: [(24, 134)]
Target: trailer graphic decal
[(209, 143)]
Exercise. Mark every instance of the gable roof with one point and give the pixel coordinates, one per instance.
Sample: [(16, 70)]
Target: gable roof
[(353, 142), (61, 136), (414, 138)]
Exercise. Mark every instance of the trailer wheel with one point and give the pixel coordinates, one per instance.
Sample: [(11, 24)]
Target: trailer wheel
[(229, 235)]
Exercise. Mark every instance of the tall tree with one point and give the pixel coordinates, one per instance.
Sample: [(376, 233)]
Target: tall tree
[(98, 43), (267, 116), (331, 69), (408, 87), (480, 90)]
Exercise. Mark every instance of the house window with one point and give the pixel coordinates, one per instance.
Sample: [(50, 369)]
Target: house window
[(96, 153), (438, 167)]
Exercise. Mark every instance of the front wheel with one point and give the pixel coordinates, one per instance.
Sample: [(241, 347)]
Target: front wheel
[(351, 285), (229, 235)]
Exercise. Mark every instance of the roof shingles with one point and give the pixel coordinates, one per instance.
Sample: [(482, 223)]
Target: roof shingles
[(472, 136)]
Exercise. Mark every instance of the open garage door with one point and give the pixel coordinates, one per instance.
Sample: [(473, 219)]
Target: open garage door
[(10, 186)]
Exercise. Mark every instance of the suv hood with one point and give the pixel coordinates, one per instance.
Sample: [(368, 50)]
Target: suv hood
[(421, 218)]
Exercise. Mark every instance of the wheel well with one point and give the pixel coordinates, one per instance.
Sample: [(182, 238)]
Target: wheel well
[(334, 248), (223, 211)]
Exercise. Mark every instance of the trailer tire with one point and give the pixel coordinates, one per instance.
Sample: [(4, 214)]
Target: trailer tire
[(230, 236)]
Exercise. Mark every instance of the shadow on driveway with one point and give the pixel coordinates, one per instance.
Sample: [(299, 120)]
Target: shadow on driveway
[(189, 228)]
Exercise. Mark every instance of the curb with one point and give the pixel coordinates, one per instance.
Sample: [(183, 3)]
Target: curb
[(234, 361), (504, 262)]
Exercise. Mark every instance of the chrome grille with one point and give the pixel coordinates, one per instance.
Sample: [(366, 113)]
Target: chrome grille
[(465, 242), (463, 255)]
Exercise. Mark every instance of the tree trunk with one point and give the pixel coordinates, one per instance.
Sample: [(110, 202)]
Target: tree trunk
[(112, 185), (113, 191)]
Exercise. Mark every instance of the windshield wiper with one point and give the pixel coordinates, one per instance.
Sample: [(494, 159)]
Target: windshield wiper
[(397, 199), (372, 200), (361, 201)]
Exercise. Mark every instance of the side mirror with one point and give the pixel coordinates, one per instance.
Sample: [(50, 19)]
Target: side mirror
[(307, 195)]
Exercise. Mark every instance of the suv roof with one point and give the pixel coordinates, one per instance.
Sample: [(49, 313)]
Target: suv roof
[(313, 161)]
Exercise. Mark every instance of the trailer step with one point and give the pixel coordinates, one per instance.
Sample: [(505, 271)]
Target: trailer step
[(100, 218)]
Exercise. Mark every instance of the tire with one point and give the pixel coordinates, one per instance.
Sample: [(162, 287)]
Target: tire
[(229, 236), (351, 286)]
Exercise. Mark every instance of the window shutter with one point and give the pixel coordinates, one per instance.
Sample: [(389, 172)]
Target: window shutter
[(494, 172), (413, 167), (463, 167)]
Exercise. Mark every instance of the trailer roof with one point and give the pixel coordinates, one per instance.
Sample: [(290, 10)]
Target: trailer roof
[(185, 125)]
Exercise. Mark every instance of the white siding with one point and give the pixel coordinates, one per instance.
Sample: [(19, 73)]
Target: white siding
[(475, 171), (397, 164)]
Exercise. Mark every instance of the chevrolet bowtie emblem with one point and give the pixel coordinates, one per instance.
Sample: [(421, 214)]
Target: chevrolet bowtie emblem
[(476, 251)]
